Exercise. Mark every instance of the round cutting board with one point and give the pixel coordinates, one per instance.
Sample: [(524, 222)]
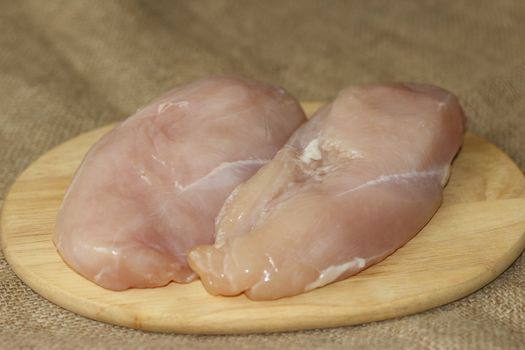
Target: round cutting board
[(476, 234)]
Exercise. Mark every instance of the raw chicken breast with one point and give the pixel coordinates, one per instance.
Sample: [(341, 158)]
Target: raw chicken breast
[(149, 190), (351, 186)]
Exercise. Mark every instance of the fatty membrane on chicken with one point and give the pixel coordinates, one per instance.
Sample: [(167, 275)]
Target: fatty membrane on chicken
[(351, 186), (150, 189)]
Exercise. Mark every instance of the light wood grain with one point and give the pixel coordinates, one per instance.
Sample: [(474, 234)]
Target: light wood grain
[(476, 234)]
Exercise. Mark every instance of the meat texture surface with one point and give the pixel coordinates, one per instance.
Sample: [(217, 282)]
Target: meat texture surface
[(150, 190), (351, 186)]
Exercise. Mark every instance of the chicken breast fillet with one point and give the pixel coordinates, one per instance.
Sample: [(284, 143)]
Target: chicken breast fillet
[(149, 190), (351, 186)]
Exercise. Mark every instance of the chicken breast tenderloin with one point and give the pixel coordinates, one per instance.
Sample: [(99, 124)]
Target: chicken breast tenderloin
[(149, 190), (351, 186)]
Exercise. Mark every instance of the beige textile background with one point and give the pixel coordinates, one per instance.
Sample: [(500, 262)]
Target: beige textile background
[(69, 66)]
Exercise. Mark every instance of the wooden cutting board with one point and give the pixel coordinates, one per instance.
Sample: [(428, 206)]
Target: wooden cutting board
[(476, 234)]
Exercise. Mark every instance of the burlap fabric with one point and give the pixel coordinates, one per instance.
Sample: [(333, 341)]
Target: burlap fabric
[(69, 66)]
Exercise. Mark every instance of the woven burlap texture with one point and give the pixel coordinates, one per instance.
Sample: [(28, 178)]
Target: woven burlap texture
[(70, 66)]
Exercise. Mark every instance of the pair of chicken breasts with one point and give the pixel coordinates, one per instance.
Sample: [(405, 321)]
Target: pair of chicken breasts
[(225, 180)]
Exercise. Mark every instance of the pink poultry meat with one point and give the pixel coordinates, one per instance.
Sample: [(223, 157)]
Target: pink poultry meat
[(149, 190), (351, 186)]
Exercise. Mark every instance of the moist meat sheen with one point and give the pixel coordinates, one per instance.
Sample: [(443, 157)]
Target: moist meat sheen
[(351, 186), (149, 191)]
